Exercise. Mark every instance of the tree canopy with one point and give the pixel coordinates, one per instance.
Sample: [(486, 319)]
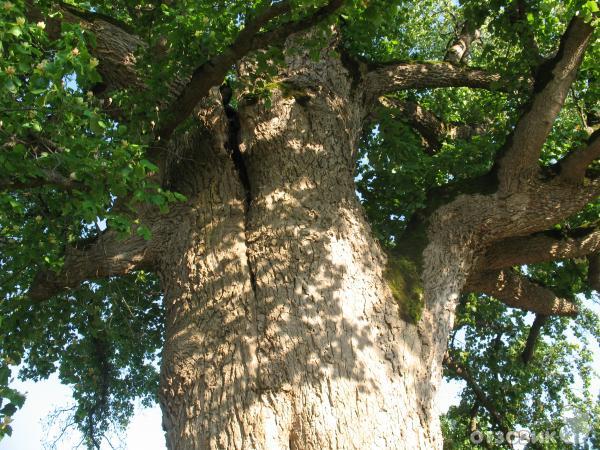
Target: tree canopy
[(80, 138)]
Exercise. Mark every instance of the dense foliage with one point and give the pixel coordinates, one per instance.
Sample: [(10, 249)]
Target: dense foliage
[(104, 338)]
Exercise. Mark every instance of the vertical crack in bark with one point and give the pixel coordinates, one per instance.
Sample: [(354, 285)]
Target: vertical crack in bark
[(233, 146)]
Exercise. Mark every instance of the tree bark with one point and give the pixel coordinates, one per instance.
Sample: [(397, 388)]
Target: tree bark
[(282, 331)]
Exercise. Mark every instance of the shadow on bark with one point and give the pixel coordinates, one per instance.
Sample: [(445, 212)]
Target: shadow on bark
[(281, 329)]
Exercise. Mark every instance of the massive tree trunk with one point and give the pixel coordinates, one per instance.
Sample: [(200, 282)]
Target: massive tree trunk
[(287, 326), (282, 330)]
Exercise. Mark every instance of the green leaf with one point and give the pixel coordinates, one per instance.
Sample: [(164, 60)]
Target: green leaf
[(15, 31), (150, 167), (4, 375), (591, 6), (144, 232), (8, 410), (16, 398), (179, 197)]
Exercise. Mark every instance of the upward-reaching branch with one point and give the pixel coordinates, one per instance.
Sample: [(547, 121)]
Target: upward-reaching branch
[(574, 166), (519, 162), (458, 51), (212, 72)]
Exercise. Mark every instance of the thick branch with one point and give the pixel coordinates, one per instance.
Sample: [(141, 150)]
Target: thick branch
[(555, 201), (458, 52), (574, 166), (532, 338), (431, 128), (540, 247), (517, 291), (473, 418), (250, 39), (393, 77), (594, 271), (115, 45), (107, 256), (519, 161)]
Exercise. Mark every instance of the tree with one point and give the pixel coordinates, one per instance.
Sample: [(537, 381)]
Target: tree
[(222, 144)]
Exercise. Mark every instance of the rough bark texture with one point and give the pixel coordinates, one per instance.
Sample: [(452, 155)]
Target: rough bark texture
[(394, 76), (458, 52), (282, 331), (517, 291)]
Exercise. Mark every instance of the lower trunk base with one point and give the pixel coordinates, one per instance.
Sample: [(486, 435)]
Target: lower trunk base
[(337, 414)]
